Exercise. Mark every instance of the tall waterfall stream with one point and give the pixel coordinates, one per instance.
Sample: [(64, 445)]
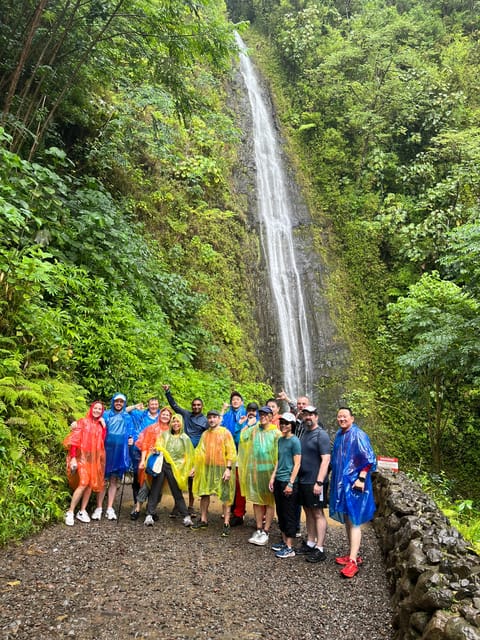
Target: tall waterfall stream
[(276, 232)]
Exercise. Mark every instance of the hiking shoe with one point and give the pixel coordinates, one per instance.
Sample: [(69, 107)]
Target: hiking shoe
[(110, 514), (134, 515), (349, 570), (83, 516), (191, 512), (187, 521), (286, 552), (226, 531), (278, 546), (316, 556), (304, 549), (148, 522), (174, 513), (236, 521), (69, 518), (260, 538), (343, 560), (200, 524), (97, 514), (298, 534)]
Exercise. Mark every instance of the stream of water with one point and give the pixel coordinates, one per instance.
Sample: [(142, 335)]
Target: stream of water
[(278, 243)]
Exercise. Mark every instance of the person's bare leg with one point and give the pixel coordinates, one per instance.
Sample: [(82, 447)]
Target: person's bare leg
[(204, 504), (269, 513)]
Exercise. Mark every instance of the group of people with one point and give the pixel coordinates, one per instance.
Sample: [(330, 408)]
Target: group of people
[(280, 462)]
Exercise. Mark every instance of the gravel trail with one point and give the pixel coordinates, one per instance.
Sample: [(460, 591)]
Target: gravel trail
[(105, 580)]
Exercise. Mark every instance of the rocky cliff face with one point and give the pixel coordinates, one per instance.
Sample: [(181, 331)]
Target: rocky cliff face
[(330, 355)]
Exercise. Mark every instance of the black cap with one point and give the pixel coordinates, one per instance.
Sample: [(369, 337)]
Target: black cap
[(252, 406), (213, 412)]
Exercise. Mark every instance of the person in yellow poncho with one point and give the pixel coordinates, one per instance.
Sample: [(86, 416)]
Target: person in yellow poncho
[(215, 456), (177, 451), (257, 457)]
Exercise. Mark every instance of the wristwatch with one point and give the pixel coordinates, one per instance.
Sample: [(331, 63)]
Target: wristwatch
[(319, 482)]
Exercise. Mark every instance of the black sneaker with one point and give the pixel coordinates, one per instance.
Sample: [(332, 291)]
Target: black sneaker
[(134, 515), (316, 556), (304, 549), (226, 531), (236, 521), (200, 524), (175, 513)]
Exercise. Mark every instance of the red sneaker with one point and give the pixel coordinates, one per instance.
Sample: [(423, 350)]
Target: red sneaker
[(349, 570), (343, 560)]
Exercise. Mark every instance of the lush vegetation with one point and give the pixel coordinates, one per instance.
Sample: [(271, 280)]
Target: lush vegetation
[(121, 239), (381, 103)]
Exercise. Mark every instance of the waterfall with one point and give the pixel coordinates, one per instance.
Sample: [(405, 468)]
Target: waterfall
[(278, 243)]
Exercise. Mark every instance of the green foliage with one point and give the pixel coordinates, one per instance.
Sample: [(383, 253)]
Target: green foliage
[(34, 409)]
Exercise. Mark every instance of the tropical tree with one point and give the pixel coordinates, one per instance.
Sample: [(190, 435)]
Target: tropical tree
[(435, 331)]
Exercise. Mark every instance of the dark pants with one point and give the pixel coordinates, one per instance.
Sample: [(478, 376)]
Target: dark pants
[(135, 456), (286, 508), (155, 494)]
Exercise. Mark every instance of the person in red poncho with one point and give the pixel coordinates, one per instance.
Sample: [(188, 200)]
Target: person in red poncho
[(85, 460)]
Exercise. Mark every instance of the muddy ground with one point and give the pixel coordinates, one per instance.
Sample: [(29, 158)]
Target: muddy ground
[(124, 580)]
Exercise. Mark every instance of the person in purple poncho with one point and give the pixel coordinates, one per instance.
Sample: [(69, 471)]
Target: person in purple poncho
[(351, 492)]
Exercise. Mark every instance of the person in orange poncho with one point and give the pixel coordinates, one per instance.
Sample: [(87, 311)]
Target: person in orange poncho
[(85, 460), (146, 444)]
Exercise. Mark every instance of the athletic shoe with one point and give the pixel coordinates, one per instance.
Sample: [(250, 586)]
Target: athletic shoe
[(349, 570), (187, 521), (287, 552), (304, 549), (278, 546), (255, 536), (111, 515), (97, 514), (298, 534), (316, 556), (83, 516), (148, 522), (174, 513), (69, 518), (260, 539), (343, 560), (236, 521), (226, 531), (191, 512), (134, 515), (200, 524)]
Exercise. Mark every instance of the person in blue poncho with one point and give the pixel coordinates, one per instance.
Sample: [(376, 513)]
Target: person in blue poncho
[(351, 492), (120, 431)]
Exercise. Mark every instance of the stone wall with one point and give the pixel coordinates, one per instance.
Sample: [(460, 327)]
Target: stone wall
[(433, 574)]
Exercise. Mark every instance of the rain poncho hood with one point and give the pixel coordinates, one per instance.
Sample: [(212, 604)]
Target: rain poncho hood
[(351, 453), (215, 449), (257, 457), (120, 428), (88, 437)]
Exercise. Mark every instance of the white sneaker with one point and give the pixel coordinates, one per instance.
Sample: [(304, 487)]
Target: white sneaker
[(97, 514), (111, 515), (254, 538), (69, 518), (187, 521), (261, 539), (148, 521), (83, 516)]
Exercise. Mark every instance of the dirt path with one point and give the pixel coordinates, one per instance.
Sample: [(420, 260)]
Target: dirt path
[(106, 580)]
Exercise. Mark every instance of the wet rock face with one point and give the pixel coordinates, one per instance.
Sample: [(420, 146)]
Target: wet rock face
[(434, 576)]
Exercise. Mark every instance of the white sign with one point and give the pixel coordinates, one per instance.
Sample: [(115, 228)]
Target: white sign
[(387, 463)]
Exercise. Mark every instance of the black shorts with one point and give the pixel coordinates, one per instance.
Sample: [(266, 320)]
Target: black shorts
[(308, 499)]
